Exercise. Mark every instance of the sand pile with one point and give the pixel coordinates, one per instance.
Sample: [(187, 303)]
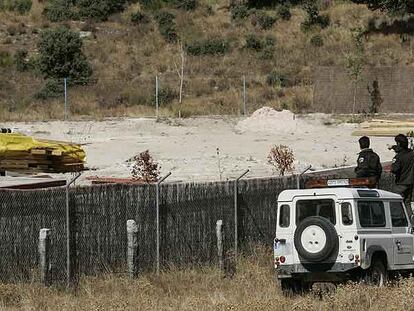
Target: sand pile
[(267, 119)]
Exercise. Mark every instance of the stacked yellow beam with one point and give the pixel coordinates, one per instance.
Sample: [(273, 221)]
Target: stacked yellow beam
[(385, 128), (25, 154)]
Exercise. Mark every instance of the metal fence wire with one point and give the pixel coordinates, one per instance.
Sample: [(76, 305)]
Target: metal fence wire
[(98, 222)]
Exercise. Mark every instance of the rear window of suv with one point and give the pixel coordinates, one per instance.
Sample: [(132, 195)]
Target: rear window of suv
[(371, 214), (308, 208)]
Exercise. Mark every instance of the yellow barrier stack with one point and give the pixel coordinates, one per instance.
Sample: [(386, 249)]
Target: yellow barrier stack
[(25, 154)]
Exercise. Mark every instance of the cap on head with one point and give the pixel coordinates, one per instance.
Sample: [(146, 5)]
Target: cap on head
[(402, 141), (364, 142)]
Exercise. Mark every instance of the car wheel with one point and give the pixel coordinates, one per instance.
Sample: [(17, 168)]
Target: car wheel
[(377, 274)]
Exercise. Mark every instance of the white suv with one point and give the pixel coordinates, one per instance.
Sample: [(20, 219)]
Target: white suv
[(340, 234)]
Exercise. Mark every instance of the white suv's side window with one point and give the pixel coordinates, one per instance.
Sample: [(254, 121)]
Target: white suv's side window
[(371, 214), (346, 213), (398, 217), (284, 216)]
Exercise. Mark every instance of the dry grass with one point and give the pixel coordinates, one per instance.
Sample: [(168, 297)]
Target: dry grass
[(203, 289)]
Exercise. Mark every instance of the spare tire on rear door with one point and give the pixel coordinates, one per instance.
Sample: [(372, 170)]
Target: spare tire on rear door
[(315, 239)]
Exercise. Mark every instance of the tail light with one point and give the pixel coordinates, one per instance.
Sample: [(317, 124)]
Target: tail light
[(282, 259)]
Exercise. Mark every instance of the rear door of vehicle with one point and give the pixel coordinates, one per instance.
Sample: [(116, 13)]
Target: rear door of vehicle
[(402, 236)]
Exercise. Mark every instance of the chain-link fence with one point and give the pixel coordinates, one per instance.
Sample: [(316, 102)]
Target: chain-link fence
[(152, 95), (98, 216), (22, 215)]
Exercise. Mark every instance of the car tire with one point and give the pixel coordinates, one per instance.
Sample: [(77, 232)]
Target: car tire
[(377, 274), (315, 239)]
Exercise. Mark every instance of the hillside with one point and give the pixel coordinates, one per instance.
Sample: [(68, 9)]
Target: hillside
[(126, 55)]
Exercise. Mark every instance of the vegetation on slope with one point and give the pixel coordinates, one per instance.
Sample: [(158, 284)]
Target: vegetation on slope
[(125, 44)]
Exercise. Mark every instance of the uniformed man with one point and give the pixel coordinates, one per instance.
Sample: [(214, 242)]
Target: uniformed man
[(368, 163), (403, 169)]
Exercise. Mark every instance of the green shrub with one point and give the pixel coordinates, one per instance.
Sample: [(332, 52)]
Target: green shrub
[(215, 46), (139, 18), (20, 6), (187, 5), (254, 43), (166, 25), (264, 20), (276, 79), (99, 10), (317, 40), (151, 4), (165, 96), (156, 5), (12, 30), (20, 60), (313, 18), (267, 53), (5, 59), (53, 88), (284, 12), (324, 21), (270, 41), (58, 10), (60, 56), (239, 12), (265, 47)]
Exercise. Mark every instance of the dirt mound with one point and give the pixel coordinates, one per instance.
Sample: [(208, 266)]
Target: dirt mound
[(267, 119)]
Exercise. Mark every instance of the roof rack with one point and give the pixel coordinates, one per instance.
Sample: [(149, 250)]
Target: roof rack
[(369, 182)]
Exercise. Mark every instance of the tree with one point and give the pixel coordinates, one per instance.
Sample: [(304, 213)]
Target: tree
[(281, 157), (376, 98), (355, 61), (395, 7), (180, 71), (61, 56)]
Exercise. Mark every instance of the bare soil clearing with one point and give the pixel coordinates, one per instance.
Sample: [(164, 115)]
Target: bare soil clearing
[(187, 147)]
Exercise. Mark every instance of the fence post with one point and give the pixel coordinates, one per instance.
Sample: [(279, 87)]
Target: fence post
[(66, 98), (158, 218), (132, 234), (156, 95), (220, 244), (244, 95), (236, 222), (69, 274), (299, 176), (44, 254)]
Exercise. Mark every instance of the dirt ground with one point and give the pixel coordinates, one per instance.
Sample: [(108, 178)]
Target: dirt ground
[(188, 147)]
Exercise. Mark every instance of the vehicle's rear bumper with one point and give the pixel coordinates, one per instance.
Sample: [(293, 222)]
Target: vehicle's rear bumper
[(319, 271)]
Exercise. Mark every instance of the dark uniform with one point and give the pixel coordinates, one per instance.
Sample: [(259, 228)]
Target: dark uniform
[(369, 164), (403, 169)]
